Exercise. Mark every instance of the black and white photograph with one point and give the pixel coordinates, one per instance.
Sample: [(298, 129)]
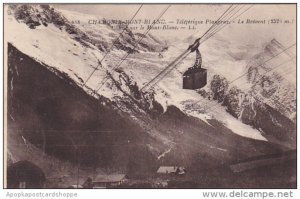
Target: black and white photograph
[(150, 96)]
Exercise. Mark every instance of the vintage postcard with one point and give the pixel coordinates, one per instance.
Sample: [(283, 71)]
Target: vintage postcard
[(150, 96)]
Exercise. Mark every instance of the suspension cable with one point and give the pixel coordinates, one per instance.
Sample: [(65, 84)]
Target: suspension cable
[(100, 62), (170, 67), (239, 77), (224, 25), (105, 79), (281, 64)]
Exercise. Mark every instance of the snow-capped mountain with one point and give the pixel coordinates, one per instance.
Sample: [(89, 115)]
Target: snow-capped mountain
[(277, 87), (264, 96), (53, 58)]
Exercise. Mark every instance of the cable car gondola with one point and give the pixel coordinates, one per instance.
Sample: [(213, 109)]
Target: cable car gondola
[(195, 77)]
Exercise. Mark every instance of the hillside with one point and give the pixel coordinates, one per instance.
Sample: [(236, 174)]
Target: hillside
[(105, 124)]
